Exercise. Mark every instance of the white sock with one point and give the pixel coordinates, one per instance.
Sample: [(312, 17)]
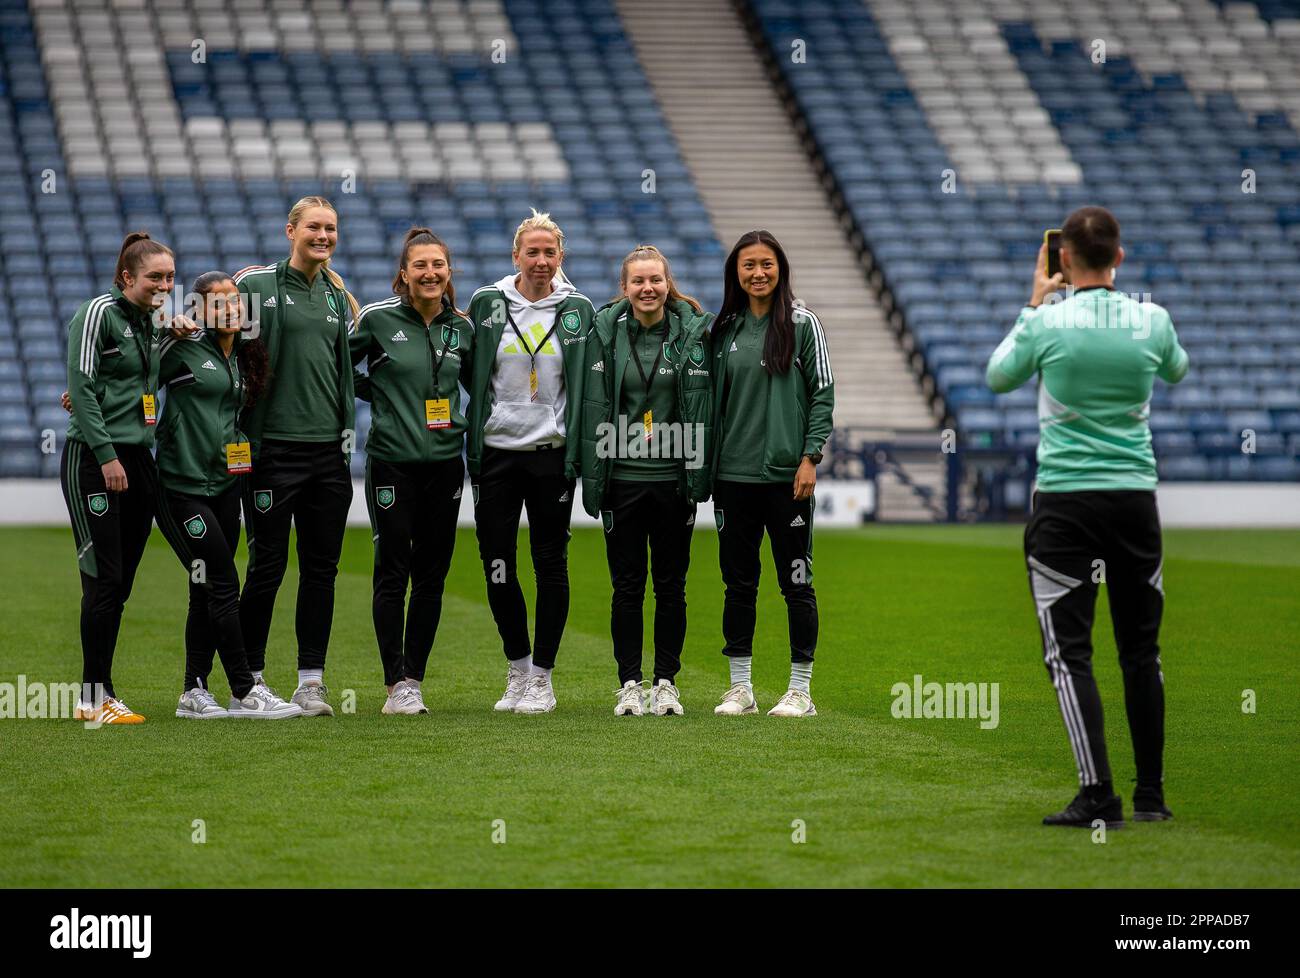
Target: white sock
[(257, 679), (741, 668), (801, 676), (524, 665), (539, 671), (305, 674)]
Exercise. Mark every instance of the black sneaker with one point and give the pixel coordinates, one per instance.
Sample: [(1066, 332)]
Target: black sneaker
[(1150, 807), (1083, 811)]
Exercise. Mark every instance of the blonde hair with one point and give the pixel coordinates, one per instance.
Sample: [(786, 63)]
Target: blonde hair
[(648, 252), (295, 215), (537, 222)]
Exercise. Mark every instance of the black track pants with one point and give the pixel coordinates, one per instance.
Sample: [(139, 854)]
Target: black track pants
[(742, 511), (508, 482), (1073, 541), (634, 514), (110, 530), (413, 509), (306, 484), (204, 534)]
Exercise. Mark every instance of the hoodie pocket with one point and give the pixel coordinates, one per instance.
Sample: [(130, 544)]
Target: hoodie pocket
[(522, 422)]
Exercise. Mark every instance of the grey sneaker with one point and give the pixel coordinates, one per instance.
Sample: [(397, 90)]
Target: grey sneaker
[(199, 704), (311, 697), (406, 698), (262, 704)]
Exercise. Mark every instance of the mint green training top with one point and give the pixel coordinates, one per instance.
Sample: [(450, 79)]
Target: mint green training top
[(1098, 353)]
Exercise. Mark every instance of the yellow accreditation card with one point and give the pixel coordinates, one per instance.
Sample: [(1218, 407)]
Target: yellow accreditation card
[(150, 408), (532, 384), (239, 457), (437, 413), (649, 420)]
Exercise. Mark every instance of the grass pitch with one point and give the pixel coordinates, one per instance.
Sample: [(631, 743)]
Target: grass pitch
[(585, 798)]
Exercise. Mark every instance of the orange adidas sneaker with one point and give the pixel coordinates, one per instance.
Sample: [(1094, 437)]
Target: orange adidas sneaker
[(112, 711)]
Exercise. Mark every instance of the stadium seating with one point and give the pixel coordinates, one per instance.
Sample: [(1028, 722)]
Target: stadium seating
[(202, 120), (1186, 130)]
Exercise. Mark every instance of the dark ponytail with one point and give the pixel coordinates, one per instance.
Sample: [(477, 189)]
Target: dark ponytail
[(136, 247), (778, 345)]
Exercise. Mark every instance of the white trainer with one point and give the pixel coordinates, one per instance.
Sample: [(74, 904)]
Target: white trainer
[(515, 680), (262, 704), (737, 700), (631, 700), (538, 696), (795, 703), (665, 700), (199, 704), (311, 697), (405, 699)]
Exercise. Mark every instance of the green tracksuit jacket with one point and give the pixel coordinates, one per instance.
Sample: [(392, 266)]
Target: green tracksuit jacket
[(205, 394), (799, 402), (263, 291), (400, 352), (607, 355), (112, 364)]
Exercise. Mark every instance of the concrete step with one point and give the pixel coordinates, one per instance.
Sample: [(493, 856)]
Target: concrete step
[(751, 175)]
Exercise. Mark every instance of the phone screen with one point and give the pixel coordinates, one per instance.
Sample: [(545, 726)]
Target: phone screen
[(1052, 238)]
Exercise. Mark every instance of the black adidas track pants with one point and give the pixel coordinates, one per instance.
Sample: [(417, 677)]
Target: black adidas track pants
[(110, 530), (742, 511), (1073, 542), (306, 484), (204, 534), (413, 509)]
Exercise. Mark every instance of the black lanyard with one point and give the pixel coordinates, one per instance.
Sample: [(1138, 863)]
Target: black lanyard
[(532, 354), (142, 324), (437, 359), (654, 367)]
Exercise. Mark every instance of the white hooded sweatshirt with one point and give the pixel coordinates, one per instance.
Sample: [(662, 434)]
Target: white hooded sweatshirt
[(516, 421)]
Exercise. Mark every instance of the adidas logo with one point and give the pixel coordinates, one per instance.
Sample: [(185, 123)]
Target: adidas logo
[(565, 497), (209, 365), (598, 366), (733, 347), (288, 300), (269, 303), (126, 331), (457, 493), (399, 337), (797, 521)]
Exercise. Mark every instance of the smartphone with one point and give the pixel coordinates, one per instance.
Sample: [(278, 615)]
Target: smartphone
[(1052, 238)]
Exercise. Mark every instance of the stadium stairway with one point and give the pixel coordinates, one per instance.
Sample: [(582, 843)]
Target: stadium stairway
[(751, 169)]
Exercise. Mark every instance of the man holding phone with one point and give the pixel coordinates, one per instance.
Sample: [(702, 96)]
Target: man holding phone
[(1094, 513)]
